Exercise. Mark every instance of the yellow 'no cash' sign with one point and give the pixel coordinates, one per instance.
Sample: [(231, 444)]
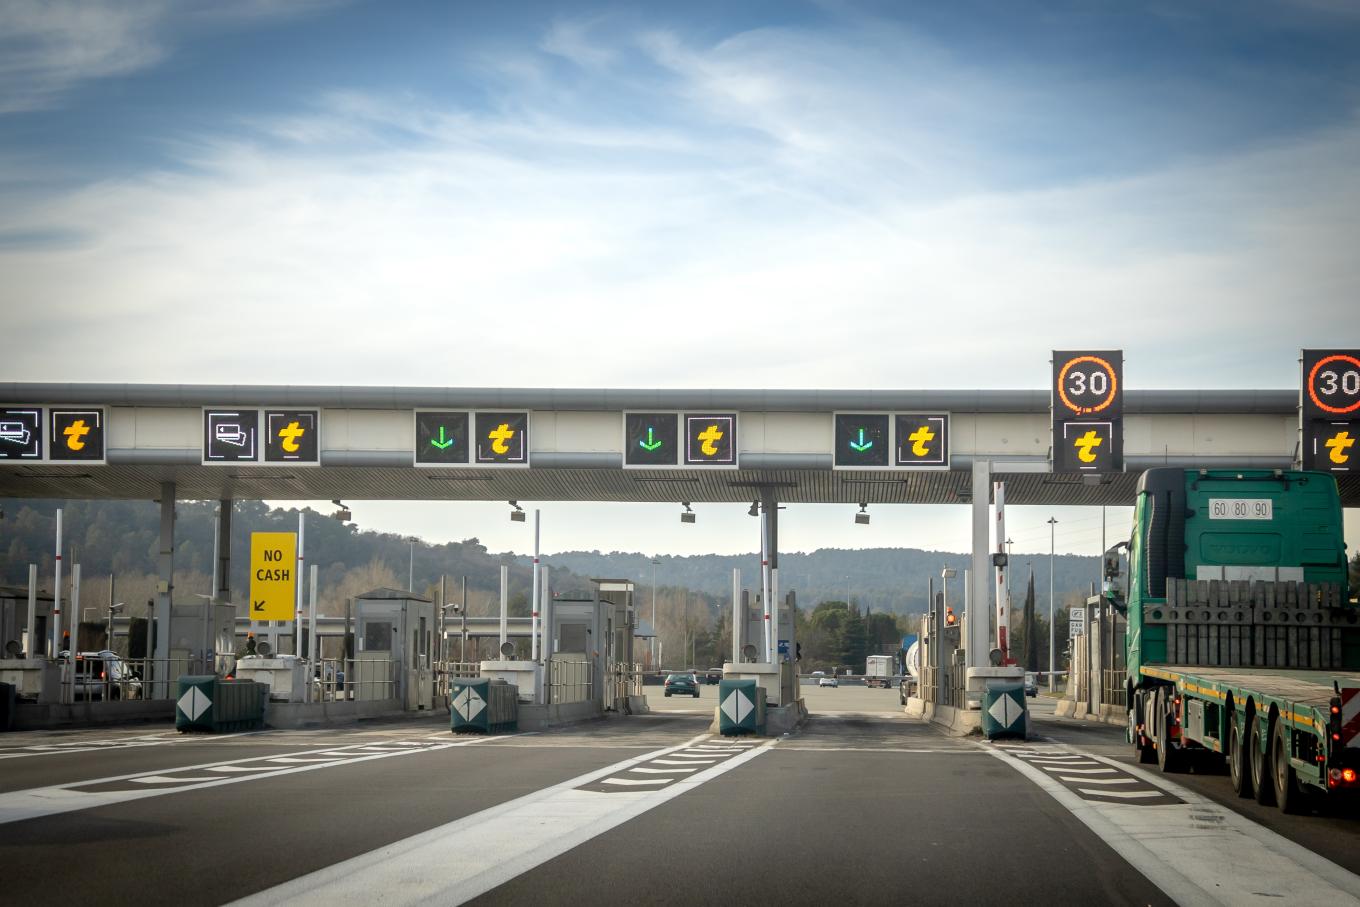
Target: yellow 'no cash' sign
[(273, 575)]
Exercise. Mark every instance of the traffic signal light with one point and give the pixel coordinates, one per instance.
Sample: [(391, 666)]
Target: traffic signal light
[(949, 617)]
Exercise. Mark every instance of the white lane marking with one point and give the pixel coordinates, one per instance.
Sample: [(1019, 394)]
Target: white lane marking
[(1099, 780), (1123, 794), (664, 771), (168, 779), (34, 802), (630, 782), (1078, 771), (457, 862), (1181, 847), (685, 762), (290, 760), (238, 768)]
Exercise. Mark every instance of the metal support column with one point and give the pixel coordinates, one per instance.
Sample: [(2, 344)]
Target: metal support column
[(977, 613), (164, 590)]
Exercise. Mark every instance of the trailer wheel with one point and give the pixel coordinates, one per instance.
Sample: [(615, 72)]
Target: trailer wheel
[(1260, 762), (1239, 770), (1288, 795), (1146, 754), (1169, 760)]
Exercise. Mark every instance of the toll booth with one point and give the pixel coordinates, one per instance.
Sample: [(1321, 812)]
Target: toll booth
[(14, 623), (620, 621), (578, 628), (393, 648), (202, 637)]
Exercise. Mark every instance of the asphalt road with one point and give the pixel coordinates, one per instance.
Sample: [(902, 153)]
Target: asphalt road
[(860, 805)]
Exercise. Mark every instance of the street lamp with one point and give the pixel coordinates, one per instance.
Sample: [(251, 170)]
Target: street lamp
[(654, 563), (113, 609), (411, 566), (1052, 635)]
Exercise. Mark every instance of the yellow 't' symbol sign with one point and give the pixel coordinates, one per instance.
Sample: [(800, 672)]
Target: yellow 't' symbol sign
[(919, 439), (499, 436), (290, 434), (78, 429), (710, 436), (1086, 446), (1339, 444)]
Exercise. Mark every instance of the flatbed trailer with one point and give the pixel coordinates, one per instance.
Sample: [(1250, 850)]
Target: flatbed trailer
[(1272, 725), (1242, 639)]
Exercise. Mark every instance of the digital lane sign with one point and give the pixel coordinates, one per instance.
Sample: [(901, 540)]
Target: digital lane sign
[(1331, 446), (1331, 384), (1087, 396), (21, 433), (502, 439), (292, 436), (711, 439), (442, 438), (76, 435), (862, 440), (1089, 447), (923, 440), (651, 439), (231, 435)]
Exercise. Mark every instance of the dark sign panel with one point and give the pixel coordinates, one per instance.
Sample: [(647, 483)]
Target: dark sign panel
[(21, 433), (862, 441), (651, 439), (923, 440), (1088, 385), (502, 439), (1088, 447), (710, 439), (1331, 384), (1331, 446), (231, 435), (441, 438), (1088, 411), (292, 436), (77, 435)]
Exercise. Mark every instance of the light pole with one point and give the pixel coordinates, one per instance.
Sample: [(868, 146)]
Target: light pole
[(1052, 626), (113, 609), (654, 563), (411, 567)]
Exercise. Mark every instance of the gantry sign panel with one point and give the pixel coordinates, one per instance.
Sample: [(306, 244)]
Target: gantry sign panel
[(21, 433), (651, 439), (863, 440), (1088, 411), (231, 435), (76, 434), (501, 438), (1329, 409), (292, 436), (923, 440), (711, 439), (442, 437)]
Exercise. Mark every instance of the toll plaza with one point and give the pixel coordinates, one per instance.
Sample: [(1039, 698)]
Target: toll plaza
[(1082, 441)]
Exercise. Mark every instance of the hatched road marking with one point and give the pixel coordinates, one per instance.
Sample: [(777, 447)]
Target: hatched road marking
[(459, 861), (1194, 850)]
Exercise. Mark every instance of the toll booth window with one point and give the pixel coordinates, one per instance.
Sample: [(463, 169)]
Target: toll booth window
[(573, 638), (377, 636)]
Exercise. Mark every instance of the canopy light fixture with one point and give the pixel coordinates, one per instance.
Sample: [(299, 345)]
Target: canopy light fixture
[(862, 518), (516, 515), (688, 515)]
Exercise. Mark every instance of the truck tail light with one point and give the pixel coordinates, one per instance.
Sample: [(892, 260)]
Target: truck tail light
[(1348, 775)]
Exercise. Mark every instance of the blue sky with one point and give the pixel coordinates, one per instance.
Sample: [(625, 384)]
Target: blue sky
[(676, 195)]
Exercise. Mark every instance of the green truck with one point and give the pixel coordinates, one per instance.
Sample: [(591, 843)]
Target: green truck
[(1242, 642)]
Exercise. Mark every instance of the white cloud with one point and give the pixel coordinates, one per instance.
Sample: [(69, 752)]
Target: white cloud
[(528, 245), (46, 48)]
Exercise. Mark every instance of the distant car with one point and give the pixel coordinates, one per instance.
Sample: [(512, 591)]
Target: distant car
[(713, 676), (1031, 684), (825, 681), (103, 675), (682, 685)]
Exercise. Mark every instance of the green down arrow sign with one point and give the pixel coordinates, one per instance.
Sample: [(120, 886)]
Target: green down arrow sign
[(650, 444)]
